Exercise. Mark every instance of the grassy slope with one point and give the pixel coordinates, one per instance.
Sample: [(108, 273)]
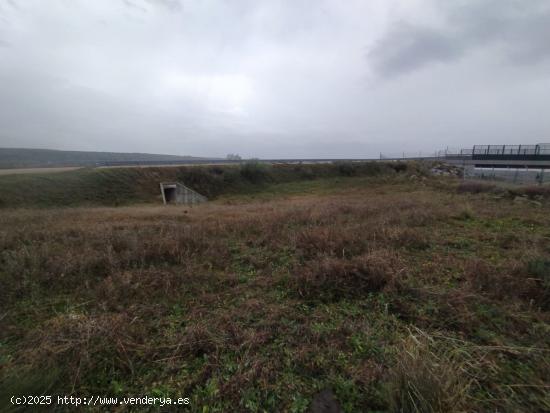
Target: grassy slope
[(388, 292), (124, 186)]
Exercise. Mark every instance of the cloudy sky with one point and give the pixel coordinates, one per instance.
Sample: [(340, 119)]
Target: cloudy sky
[(296, 78)]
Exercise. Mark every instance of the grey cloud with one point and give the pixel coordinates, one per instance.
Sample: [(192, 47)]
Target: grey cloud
[(521, 32), (407, 48), (132, 5), (273, 78), (173, 5), (170, 5), (13, 4)]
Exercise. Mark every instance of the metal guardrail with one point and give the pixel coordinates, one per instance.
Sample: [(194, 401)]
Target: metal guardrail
[(506, 150)]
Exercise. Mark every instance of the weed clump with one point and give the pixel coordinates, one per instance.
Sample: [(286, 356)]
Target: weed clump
[(540, 268), (439, 373), (327, 241), (410, 238), (331, 279), (532, 192), (527, 282), (73, 342), (427, 379), (476, 187), (466, 214)]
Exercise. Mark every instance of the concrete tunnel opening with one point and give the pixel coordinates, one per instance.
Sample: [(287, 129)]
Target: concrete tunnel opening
[(170, 195)]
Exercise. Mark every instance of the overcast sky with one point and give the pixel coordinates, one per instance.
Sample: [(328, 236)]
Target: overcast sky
[(296, 78)]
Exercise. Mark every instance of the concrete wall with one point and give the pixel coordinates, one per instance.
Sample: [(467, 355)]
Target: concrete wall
[(513, 175), (177, 193)]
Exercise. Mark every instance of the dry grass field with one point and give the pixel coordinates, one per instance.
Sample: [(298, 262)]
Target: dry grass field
[(398, 295)]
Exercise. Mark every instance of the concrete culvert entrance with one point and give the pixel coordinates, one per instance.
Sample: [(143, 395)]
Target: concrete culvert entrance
[(177, 193), (169, 195)]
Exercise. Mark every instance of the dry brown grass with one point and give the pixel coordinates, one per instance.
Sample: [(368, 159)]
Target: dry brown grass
[(509, 280), (429, 379), (17, 171), (476, 187), (531, 191), (260, 305), (330, 278)]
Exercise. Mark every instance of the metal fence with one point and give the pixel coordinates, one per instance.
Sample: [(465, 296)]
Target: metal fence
[(538, 149), (440, 154), (412, 155), (512, 175)]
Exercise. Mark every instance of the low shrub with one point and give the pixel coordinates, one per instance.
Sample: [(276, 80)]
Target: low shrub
[(255, 172), (476, 187), (540, 268), (346, 168), (400, 166), (535, 191), (466, 214)]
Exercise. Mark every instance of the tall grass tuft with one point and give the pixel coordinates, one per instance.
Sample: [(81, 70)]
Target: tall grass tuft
[(428, 379)]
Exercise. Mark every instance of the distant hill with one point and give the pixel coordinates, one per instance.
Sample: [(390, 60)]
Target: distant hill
[(36, 158)]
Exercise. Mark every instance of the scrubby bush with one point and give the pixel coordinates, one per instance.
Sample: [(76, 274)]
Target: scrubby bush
[(216, 170), (203, 180), (346, 168), (374, 168), (305, 172), (400, 166), (255, 172)]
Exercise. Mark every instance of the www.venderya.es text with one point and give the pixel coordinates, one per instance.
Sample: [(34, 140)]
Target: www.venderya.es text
[(98, 401)]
